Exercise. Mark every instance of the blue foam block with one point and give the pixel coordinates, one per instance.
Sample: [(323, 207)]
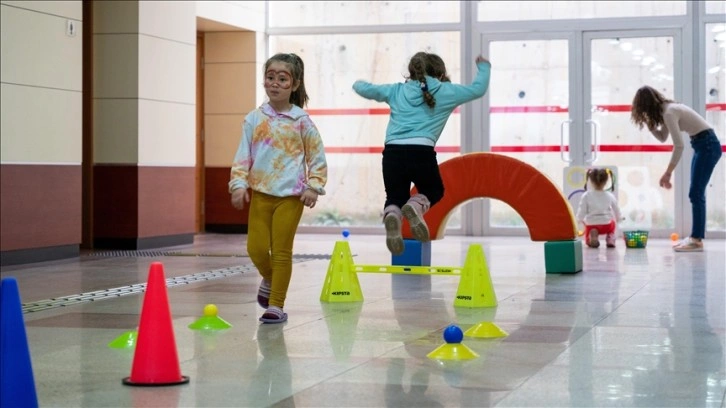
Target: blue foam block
[(415, 253)]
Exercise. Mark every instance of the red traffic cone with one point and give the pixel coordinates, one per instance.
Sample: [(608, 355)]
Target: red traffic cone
[(155, 358)]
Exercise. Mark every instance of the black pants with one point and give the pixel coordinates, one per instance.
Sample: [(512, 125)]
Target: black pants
[(406, 164)]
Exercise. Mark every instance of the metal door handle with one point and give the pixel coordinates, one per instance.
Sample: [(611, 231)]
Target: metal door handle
[(595, 138), (562, 140)]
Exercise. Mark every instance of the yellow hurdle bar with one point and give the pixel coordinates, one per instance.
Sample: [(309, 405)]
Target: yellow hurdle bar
[(409, 270)]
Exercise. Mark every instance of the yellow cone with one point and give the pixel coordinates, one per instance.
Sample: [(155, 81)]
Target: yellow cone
[(475, 286), (210, 320), (341, 282), (453, 351), (485, 330)]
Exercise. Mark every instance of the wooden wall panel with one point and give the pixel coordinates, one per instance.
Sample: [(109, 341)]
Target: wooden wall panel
[(40, 206), (219, 215), (166, 201), (115, 201)]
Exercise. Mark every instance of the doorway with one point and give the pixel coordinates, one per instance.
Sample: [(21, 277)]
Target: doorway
[(561, 100)]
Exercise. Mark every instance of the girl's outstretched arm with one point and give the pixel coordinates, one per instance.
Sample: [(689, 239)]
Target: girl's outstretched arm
[(477, 89), (380, 93)]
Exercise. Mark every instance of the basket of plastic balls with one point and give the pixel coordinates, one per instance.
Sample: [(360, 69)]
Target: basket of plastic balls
[(635, 239)]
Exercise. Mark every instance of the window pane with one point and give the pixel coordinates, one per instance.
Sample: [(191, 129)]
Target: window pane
[(715, 7), (553, 10), (345, 13), (354, 128), (529, 101), (716, 116), (639, 157)]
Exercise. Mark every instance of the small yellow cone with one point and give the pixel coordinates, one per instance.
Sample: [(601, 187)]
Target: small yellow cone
[(485, 330), (341, 282), (210, 320), (475, 286), (452, 351)]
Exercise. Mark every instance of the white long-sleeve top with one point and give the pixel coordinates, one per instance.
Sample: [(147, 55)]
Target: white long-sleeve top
[(678, 119), (598, 207)]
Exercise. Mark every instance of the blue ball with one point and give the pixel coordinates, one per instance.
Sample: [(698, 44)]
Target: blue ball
[(346, 233), (453, 334)]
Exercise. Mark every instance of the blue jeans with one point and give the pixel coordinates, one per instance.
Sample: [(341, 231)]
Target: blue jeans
[(707, 152)]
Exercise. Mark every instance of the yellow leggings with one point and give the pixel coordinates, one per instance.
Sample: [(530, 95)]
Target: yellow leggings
[(271, 231)]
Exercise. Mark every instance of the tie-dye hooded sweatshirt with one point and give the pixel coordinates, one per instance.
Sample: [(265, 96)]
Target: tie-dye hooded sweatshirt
[(280, 154)]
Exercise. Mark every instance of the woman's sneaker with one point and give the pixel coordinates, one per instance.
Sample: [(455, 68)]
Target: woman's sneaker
[(690, 245)]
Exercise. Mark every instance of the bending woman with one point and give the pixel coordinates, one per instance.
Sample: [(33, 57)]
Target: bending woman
[(664, 116)]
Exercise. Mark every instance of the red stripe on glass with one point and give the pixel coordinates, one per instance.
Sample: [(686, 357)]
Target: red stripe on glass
[(527, 149), (528, 109), (495, 109), (507, 149), (511, 149), (353, 111), (603, 148), (379, 149), (626, 108), (336, 112)]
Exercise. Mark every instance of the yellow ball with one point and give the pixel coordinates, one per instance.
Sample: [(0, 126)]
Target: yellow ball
[(674, 236), (210, 310)]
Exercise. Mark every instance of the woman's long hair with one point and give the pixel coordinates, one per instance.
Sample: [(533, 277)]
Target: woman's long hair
[(647, 108)]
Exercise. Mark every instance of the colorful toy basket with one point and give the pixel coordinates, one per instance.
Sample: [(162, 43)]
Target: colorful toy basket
[(635, 239)]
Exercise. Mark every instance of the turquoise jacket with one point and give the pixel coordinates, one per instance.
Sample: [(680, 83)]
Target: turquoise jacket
[(410, 116)]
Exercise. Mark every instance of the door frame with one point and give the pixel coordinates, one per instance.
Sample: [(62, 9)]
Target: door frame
[(87, 163), (199, 170), (579, 108)]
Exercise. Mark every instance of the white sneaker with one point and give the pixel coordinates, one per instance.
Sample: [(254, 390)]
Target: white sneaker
[(689, 245)]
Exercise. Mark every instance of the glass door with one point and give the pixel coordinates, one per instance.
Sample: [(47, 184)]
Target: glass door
[(617, 63), (561, 103), (532, 116)]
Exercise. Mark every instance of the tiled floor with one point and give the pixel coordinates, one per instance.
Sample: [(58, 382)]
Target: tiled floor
[(637, 327)]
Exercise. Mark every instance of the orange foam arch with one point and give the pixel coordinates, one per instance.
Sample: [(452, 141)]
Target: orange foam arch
[(536, 199)]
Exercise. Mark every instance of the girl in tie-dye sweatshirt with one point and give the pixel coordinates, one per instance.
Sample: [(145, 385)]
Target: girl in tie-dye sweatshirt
[(281, 159)]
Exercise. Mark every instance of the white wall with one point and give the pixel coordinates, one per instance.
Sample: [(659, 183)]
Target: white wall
[(41, 82), (248, 15), (144, 83)]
